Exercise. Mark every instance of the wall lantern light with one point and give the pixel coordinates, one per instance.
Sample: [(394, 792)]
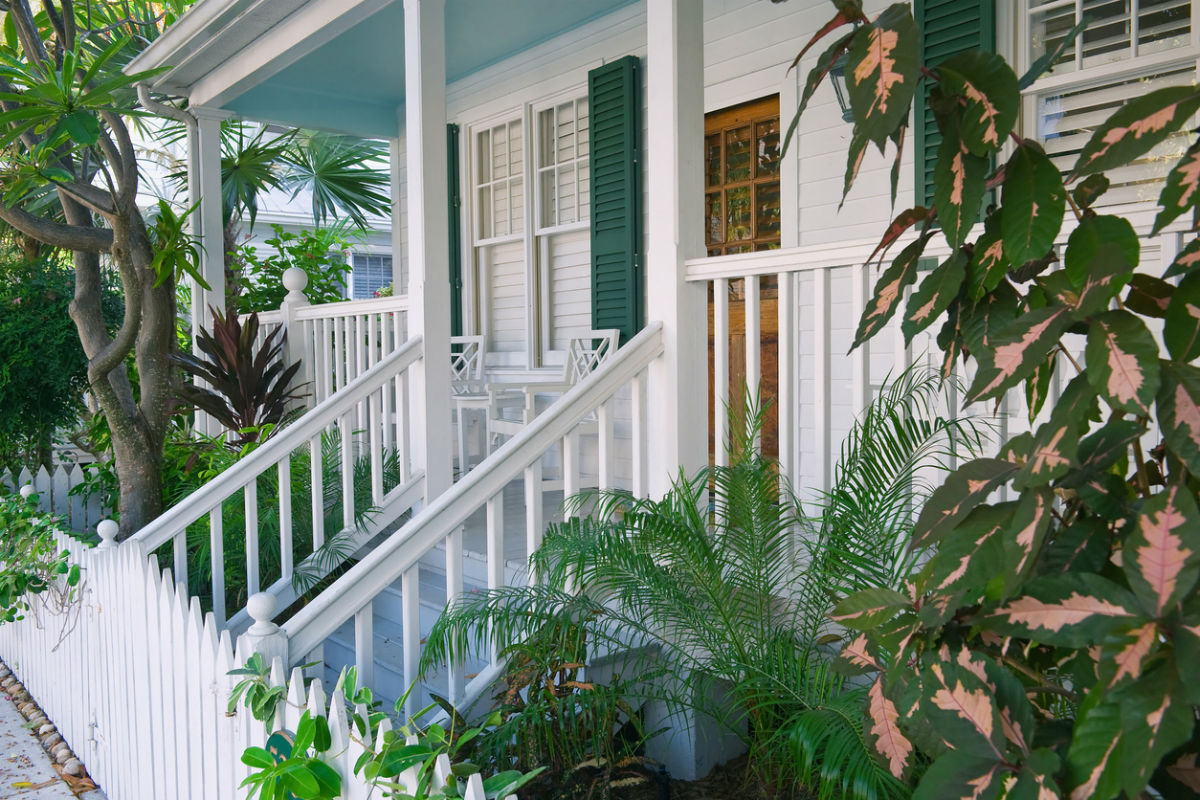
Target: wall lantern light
[(838, 75)]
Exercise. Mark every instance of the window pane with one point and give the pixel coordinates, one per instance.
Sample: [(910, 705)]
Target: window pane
[(1163, 25), (566, 132), (585, 189), (516, 187), (500, 209), (484, 209), (1067, 119), (516, 149), (737, 155), (712, 160), (766, 209), (767, 138), (1107, 36), (500, 152), (548, 198), (483, 157), (1047, 30), (581, 107), (546, 138), (738, 217), (566, 194)]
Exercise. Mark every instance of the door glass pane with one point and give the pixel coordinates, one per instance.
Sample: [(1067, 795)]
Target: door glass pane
[(766, 210), (737, 155), (738, 216), (712, 217), (712, 160), (767, 136)]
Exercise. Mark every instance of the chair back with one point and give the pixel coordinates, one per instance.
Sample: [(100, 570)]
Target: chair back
[(466, 364), (586, 353)]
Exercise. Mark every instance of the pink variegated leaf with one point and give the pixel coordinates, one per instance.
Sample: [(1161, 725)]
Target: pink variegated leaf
[(890, 742), (1186, 770), (882, 72), (1093, 760), (1126, 658), (1186, 261), (889, 291), (1071, 610), (959, 494), (987, 88), (1178, 407), (1181, 323), (858, 657), (1025, 534), (848, 11), (1034, 199), (934, 295), (962, 710), (1156, 718), (1018, 351), (1136, 127), (1181, 190), (854, 160), (1161, 558), (865, 609), (903, 221), (1122, 361), (959, 180), (1148, 295), (815, 76), (988, 264)]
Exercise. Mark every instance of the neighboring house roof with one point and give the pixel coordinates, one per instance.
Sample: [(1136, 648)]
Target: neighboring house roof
[(336, 64)]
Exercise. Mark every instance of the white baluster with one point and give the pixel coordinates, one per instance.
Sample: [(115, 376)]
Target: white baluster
[(252, 561), (720, 405), (285, 517), (216, 546)]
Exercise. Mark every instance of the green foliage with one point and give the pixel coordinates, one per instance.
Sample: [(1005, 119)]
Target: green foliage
[(402, 762), (338, 173), (1044, 647), (176, 253), (30, 562), (319, 252), (35, 331), (709, 607), (252, 389)]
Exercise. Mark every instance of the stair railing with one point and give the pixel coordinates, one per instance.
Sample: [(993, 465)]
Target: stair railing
[(349, 457), (441, 522)]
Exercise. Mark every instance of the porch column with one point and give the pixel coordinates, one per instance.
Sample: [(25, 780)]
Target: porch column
[(204, 180), (204, 187), (678, 407), (428, 234)]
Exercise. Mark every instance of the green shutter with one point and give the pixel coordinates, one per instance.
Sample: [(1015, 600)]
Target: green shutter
[(455, 210), (947, 27), (613, 112)]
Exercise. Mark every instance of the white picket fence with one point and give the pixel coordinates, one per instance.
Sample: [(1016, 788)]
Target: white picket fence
[(54, 495), (136, 680)]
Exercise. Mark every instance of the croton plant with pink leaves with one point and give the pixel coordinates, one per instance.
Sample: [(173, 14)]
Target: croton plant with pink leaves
[(1050, 645)]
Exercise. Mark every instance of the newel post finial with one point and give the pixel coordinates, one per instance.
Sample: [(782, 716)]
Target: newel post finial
[(264, 636), (295, 280), (108, 534)]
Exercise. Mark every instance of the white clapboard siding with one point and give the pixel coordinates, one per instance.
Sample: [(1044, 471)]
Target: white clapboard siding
[(54, 495), (136, 681)]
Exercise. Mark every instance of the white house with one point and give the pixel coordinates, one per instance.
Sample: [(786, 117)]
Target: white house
[(560, 167)]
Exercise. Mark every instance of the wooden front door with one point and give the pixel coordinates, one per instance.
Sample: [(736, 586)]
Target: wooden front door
[(742, 215)]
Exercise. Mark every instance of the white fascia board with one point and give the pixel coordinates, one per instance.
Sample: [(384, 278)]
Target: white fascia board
[(196, 28)]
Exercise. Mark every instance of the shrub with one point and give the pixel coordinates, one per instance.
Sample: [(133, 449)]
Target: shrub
[(30, 562), (35, 331), (319, 252), (1046, 646), (716, 599)]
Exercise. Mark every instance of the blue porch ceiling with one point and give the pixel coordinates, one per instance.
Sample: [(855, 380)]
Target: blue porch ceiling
[(355, 83)]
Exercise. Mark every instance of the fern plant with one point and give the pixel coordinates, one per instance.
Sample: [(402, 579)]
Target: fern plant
[(731, 600)]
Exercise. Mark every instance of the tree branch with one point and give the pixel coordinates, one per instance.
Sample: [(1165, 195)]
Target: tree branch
[(67, 237), (27, 31), (97, 200)]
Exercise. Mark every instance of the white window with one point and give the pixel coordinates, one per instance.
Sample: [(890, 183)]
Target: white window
[(371, 273), (532, 269), (564, 195), (499, 181), (1129, 48)]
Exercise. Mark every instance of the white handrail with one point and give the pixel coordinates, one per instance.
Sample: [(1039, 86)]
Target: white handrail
[(400, 552), (346, 307), (222, 487)]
